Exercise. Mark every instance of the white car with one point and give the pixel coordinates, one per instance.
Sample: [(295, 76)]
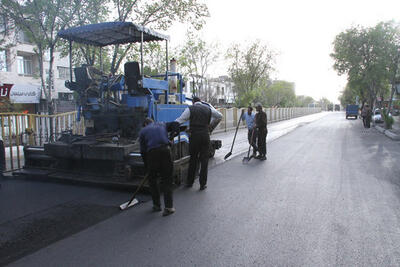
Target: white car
[(377, 116)]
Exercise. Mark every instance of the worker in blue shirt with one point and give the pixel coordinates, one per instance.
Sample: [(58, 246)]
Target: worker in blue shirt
[(251, 130), (156, 154)]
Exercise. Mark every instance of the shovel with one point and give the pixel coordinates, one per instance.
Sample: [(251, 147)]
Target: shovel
[(233, 142), (246, 160), (133, 201)]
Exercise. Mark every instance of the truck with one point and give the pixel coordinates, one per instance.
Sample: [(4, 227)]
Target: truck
[(351, 111), (113, 109)]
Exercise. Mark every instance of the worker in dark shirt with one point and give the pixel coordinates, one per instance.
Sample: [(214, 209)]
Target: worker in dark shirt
[(262, 131), (202, 119), (156, 153)]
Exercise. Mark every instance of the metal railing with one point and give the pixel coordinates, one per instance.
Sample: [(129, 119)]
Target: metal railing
[(20, 129)]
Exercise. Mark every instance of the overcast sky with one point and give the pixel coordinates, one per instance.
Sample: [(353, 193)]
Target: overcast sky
[(301, 32)]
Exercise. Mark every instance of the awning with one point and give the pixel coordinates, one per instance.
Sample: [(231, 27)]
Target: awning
[(110, 33)]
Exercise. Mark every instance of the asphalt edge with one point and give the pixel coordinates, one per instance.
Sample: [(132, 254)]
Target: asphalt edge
[(388, 133)]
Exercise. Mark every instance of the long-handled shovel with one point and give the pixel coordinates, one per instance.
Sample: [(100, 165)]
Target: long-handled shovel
[(233, 142), (246, 160), (133, 201)]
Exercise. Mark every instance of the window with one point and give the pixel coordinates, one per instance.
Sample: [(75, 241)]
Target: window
[(24, 65), (223, 90), (65, 96), (23, 38), (63, 73), (3, 60), (217, 90)]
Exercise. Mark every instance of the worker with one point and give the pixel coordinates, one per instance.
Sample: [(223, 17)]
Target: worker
[(156, 153), (251, 130), (203, 119), (262, 131)]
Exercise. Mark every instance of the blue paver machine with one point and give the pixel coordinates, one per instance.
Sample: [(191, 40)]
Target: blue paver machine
[(113, 108)]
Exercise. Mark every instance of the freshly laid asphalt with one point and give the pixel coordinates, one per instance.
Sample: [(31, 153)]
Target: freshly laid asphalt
[(329, 194)]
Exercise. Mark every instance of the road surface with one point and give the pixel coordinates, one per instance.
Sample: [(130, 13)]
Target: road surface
[(328, 195)]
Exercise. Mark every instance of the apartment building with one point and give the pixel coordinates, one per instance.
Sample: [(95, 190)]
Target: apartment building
[(19, 70), (218, 91)]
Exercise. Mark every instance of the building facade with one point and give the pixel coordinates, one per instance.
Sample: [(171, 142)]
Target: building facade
[(218, 91), (19, 67)]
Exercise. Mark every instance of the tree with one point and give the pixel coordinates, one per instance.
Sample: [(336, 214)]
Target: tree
[(324, 102), (158, 14), (348, 96), (369, 57), (249, 66), (278, 94), (304, 101), (195, 57), (40, 20)]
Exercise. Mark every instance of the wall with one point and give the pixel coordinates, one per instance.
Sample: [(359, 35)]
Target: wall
[(231, 116)]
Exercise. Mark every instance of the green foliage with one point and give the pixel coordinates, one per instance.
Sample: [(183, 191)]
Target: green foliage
[(388, 120), (278, 94), (369, 57), (195, 56), (304, 101), (249, 69)]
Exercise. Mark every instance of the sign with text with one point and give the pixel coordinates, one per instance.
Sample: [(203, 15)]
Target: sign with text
[(25, 94), (5, 89)]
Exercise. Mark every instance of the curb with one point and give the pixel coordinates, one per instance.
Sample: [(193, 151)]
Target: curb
[(392, 135), (388, 133), (380, 129)]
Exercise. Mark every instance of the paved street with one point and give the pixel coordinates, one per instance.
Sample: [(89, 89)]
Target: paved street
[(328, 195)]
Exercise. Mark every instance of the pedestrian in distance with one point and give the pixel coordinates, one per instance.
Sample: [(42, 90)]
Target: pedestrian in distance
[(156, 154), (366, 116), (202, 120), (251, 129), (262, 131)]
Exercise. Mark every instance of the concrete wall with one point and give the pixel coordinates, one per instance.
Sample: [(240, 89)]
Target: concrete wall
[(231, 116)]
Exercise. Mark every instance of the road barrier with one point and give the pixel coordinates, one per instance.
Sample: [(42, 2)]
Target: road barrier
[(20, 129), (231, 116)]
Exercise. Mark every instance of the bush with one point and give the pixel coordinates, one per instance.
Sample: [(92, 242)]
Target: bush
[(387, 119)]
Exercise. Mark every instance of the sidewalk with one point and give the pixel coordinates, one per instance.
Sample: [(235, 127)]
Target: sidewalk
[(393, 133)]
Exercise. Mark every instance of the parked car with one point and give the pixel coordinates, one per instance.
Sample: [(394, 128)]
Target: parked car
[(377, 116)]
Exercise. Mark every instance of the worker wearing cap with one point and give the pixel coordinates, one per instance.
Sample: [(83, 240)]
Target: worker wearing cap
[(251, 130), (202, 120), (262, 131), (156, 153)]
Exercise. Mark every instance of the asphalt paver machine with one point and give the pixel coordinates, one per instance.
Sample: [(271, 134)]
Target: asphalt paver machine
[(113, 108)]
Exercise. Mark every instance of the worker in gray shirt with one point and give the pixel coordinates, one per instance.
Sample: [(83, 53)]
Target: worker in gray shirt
[(203, 119)]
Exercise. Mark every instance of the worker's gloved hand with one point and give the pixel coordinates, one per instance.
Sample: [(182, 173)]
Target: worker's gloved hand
[(173, 128)]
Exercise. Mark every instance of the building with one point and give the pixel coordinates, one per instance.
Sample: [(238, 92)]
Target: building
[(217, 91), (19, 68)]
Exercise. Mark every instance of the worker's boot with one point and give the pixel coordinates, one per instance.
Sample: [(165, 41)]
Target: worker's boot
[(168, 211), (156, 208)]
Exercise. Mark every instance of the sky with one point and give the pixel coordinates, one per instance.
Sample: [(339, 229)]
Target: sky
[(301, 32)]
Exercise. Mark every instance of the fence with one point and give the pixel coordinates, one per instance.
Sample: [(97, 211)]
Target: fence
[(231, 116), (19, 129)]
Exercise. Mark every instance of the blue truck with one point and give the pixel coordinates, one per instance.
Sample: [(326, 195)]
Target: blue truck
[(351, 111)]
